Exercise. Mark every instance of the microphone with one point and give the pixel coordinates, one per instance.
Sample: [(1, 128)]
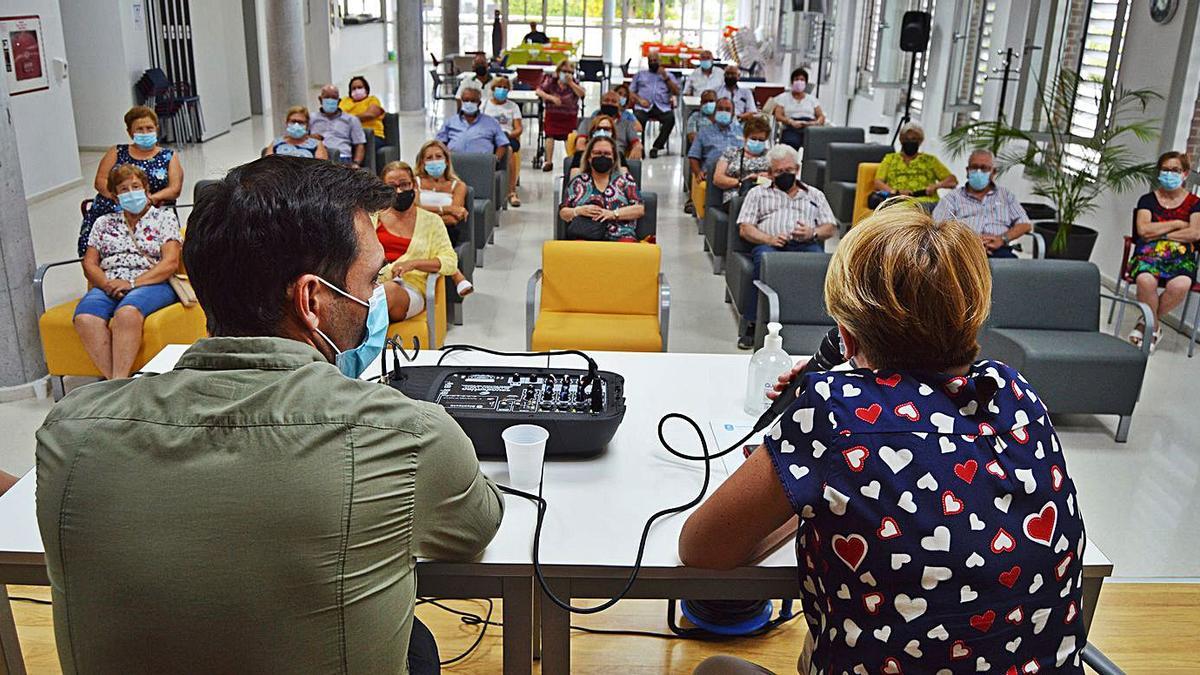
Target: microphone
[(828, 355)]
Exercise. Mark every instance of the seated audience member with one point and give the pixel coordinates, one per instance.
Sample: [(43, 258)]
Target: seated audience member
[(296, 140), (936, 510), (339, 130), (363, 105), (600, 126), (749, 162), (535, 36), (795, 110), (1164, 254), (910, 172), (479, 79), (629, 141), (627, 113), (653, 92), (161, 166), (701, 117), (786, 215), (560, 94), (744, 106), (603, 202), (992, 211), (472, 131), (415, 244), (440, 191), (260, 484), (129, 257), (704, 77), (508, 114), (710, 142)]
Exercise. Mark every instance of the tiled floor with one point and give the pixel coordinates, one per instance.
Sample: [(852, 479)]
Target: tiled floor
[(1139, 498)]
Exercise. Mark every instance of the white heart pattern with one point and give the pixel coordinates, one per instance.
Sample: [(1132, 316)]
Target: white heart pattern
[(938, 541), (852, 632), (870, 489), (938, 632), (943, 422), (910, 608), (974, 560), (946, 445), (895, 459), (1013, 645), (804, 417), (786, 447), (837, 501), (899, 560), (1037, 583), (882, 634), (1002, 503), (928, 482), (1039, 619), (933, 576), (976, 523), (818, 449), (906, 502), (1027, 479), (798, 472), (822, 388), (967, 594), (913, 649), (850, 391)]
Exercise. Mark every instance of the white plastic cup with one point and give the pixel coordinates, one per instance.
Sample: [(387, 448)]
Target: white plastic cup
[(525, 448)]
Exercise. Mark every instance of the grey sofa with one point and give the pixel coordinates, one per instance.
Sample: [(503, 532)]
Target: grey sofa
[(792, 292), (478, 170), (816, 150), (1044, 323), (841, 174), (715, 226)]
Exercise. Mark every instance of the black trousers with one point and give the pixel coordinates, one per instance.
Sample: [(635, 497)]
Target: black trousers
[(422, 651), (666, 122)]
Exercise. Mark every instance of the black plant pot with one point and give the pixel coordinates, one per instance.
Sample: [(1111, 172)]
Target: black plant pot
[(1080, 241)]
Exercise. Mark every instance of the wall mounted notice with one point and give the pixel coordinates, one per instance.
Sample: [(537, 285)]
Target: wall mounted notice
[(24, 54)]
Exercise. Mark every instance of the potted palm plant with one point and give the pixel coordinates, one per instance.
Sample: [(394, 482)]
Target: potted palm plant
[(1069, 171)]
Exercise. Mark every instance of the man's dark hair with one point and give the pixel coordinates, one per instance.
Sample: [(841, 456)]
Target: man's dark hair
[(797, 73), (266, 223)]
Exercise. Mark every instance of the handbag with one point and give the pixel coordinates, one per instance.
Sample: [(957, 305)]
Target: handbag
[(744, 184), (178, 282)]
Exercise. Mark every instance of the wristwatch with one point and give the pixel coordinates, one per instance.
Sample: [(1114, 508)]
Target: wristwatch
[(1004, 238)]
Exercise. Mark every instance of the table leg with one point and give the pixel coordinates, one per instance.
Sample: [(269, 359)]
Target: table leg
[(1091, 595), (11, 662), (517, 593), (556, 630), (537, 622)]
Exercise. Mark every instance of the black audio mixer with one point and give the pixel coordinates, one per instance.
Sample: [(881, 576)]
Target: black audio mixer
[(580, 416)]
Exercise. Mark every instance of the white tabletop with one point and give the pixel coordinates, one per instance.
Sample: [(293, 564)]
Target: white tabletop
[(522, 96), (596, 507)]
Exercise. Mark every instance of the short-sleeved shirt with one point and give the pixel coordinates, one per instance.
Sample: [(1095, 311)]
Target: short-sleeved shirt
[(697, 82), (471, 81), (624, 131), (120, 258), (504, 113), (341, 132), (777, 213), (805, 108), (306, 148), (939, 527), (696, 122), (739, 163), (622, 191), (356, 108), (743, 99), (991, 213), (914, 175), (482, 135), (651, 87), (568, 100), (711, 141)]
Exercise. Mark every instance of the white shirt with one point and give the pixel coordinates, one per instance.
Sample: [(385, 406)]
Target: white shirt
[(697, 82), (805, 107), (776, 213), (470, 81), (504, 113)]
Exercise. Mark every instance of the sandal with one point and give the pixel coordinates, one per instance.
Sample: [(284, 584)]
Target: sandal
[(547, 166), (514, 201), (1154, 341), (1136, 335), (464, 288)]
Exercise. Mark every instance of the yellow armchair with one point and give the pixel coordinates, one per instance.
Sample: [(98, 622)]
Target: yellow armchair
[(430, 326), (699, 194), (598, 295), (865, 185)]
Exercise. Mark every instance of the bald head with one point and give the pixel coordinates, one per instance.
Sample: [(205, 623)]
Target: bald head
[(330, 91)]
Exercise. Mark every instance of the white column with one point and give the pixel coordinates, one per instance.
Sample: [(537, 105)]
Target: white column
[(410, 59), (608, 33), (450, 41), (287, 64)]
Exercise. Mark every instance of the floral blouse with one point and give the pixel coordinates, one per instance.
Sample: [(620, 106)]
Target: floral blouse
[(740, 163), (622, 190), (119, 256)]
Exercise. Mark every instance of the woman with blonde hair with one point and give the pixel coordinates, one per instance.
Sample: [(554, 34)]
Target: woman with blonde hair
[(508, 114), (296, 140), (938, 528), (439, 190)]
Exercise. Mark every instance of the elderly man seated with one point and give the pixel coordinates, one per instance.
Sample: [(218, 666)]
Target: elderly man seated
[(992, 211), (338, 129), (629, 141), (712, 140), (705, 76), (480, 78), (786, 215), (472, 131)]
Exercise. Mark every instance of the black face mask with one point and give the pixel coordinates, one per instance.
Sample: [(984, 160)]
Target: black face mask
[(909, 147), (653, 67), (481, 70), (785, 181), (404, 199), (602, 164), (610, 110), (731, 82)]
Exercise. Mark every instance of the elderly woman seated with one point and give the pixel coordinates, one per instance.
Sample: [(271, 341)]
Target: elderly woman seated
[(603, 202), (129, 258), (296, 140), (910, 172)]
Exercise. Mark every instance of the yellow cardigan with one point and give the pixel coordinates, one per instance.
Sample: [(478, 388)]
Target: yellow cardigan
[(429, 241)]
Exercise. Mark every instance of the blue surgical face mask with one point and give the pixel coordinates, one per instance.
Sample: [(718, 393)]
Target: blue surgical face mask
[(603, 132), (723, 117), (329, 105), (145, 141), (353, 362), (623, 100), (470, 108), (500, 93), (755, 146), (979, 180), (435, 168), (133, 201), (708, 108), (1170, 180), (297, 130), (706, 64)]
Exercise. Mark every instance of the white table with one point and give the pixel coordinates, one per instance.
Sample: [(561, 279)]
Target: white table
[(596, 511)]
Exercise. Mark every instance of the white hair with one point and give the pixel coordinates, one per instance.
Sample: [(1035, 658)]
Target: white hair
[(981, 151), (781, 152), (913, 128)]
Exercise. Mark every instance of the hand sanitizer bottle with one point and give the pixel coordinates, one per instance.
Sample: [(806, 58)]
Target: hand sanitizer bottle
[(766, 366)]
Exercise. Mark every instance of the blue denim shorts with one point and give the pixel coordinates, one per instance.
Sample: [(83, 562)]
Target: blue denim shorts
[(145, 299)]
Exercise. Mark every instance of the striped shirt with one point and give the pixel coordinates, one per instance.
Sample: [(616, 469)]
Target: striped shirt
[(993, 213), (777, 213)]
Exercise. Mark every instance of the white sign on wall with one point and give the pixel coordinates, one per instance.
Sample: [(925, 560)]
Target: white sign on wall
[(24, 54)]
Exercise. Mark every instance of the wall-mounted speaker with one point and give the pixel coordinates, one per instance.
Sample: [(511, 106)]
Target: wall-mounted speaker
[(914, 31)]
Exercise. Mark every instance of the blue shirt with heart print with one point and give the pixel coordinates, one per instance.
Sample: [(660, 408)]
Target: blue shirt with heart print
[(940, 531)]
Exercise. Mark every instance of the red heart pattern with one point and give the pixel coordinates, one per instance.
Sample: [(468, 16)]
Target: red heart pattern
[(869, 414), (983, 622), (891, 381), (856, 457), (1003, 542), (1039, 527), (1009, 578), (888, 529), (851, 550), (951, 505), (908, 410), (966, 470)]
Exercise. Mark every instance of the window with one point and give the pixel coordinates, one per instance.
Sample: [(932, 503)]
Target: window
[(697, 22), (983, 55), (868, 40), (1099, 67), (969, 59), (918, 92), (361, 8)]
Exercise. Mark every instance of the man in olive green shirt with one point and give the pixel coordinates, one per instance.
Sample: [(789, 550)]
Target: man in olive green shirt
[(257, 510)]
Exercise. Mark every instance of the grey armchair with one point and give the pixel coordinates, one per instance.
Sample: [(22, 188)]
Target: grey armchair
[(791, 291), (478, 170), (1044, 323), (716, 226), (465, 248), (816, 150), (841, 174)]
